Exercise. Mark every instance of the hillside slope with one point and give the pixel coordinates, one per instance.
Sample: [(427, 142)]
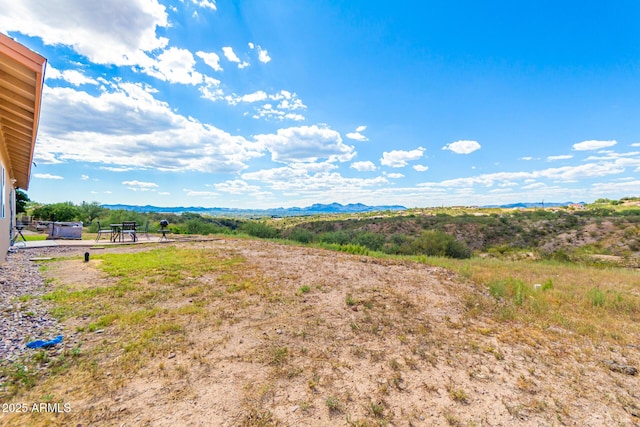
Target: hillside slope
[(543, 233)]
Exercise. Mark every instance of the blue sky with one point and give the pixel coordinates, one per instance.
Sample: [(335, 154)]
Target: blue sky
[(257, 104)]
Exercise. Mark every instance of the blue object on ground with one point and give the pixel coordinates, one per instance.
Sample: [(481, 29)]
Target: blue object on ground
[(41, 343)]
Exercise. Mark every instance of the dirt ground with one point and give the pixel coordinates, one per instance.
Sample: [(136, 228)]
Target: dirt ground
[(371, 342)]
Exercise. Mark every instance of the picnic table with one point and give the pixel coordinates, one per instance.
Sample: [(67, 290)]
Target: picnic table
[(118, 231)]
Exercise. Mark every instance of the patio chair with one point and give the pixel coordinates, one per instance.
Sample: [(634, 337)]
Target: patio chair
[(129, 228), (144, 230), (104, 230)]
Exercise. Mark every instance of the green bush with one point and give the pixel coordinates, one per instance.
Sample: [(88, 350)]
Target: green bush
[(372, 241), (398, 244), (64, 212), (259, 229), (336, 237), (301, 235), (438, 243)]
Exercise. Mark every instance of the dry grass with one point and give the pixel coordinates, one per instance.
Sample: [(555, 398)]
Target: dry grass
[(243, 332)]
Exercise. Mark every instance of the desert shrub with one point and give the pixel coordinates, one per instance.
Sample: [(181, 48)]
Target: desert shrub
[(629, 212), (559, 255), (500, 250), (354, 249), (336, 237), (348, 248), (596, 297), (259, 229), (301, 235), (369, 240), (398, 244), (438, 243), (511, 290), (200, 226)]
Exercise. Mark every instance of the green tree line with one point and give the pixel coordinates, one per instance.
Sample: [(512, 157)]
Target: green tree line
[(428, 242)]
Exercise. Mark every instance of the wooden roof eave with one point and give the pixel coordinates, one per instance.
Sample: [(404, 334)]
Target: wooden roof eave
[(18, 96)]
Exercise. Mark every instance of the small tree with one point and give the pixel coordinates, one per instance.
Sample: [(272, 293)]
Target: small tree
[(91, 211), (65, 211), (21, 201)]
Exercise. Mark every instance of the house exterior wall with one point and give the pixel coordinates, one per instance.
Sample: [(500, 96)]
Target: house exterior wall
[(7, 207)]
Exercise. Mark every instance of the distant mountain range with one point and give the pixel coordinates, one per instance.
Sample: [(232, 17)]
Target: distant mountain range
[(532, 205), (314, 209)]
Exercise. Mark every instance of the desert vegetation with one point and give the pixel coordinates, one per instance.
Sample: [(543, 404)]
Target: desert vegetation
[(607, 231), (339, 321), (246, 332)]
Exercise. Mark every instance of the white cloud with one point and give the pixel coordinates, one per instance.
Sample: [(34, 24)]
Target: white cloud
[(249, 98), (365, 166), (263, 55), (533, 186), (230, 54), (612, 156), (306, 144), (357, 135), (175, 66), (119, 32), (46, 176), (236, 187), (560, 157), (211, 89), (130, 129), (269, 112), (140, 185), (74, 77), (616, 188), (421, 168), (287, 107), (84, 177), (206, 4), (232, 57), (400, 158), (292, 179), (200, 194), (394, 175), (211, 59), (462, 147), (562, 174), (593, 145), (287, 104)]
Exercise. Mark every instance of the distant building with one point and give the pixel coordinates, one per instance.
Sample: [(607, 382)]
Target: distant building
[(21, 83), (578, 206)]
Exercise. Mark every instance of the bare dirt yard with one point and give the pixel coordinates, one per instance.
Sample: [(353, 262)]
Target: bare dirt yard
[(295, 336)]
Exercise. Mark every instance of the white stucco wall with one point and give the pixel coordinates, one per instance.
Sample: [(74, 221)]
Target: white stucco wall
[(7, 208)]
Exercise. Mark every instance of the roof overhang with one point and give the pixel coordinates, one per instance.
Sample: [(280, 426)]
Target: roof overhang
[(21, 83)]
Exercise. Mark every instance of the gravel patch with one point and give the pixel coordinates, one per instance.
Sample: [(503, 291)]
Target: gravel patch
[(24, 316)]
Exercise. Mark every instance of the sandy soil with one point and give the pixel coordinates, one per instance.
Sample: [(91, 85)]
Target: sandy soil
[(373, 342)]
